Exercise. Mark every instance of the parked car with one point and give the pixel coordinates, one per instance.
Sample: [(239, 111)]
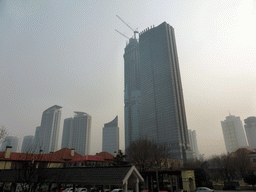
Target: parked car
[(68, 190), (81, 190), (105, 190), (117, 190), (204, 189), (178, 190)]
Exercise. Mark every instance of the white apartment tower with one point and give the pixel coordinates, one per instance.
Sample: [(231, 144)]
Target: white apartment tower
[(77, 133), (10, 141), (110, 137), (49, 130), (193, 144), (234, 134), (38, 140), (67, 133), (28, 144), (250, 129)]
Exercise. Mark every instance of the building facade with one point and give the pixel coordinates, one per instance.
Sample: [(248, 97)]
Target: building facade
[(110, 137), (10, 141), (28, 144), (250, 129), (234, 134), (77, 133), (193, 144), (49, 129), (162, 112), (132, 96)]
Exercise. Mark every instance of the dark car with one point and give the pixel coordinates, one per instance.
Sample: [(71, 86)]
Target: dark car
[(204, 189)]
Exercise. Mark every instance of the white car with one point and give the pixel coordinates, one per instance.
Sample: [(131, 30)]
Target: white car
[(81, 190), (68, 190), (117, 190), (204, 189)]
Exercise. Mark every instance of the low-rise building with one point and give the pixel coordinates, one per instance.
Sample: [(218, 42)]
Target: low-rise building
[(11, 160)]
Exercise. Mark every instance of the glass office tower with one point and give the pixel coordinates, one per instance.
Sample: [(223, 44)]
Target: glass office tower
[(162, 112)]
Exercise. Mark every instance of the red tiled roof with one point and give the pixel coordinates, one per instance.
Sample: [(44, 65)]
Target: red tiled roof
[(88, 158), (106, 155), (65, 154), (61, 155), (244, 150)]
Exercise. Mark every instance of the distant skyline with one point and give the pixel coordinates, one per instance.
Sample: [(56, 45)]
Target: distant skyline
[(67, 53)]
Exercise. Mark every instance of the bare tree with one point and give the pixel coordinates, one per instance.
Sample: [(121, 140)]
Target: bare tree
[(3, 133), (242, 163), (147, 154), (225, 164)]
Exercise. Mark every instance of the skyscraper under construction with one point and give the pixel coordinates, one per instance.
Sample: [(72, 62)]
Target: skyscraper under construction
[(132, 91), (154, 77)]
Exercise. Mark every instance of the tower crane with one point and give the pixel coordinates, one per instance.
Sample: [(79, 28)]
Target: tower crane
[(134, 31), (122, 34)]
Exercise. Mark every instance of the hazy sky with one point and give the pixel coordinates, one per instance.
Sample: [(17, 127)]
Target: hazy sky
[(66, 52)]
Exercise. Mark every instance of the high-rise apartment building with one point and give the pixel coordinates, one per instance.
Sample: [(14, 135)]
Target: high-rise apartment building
[(234, 134), (250, 129), (10, 141), (132, 97), (38, 140), (193, 144), (28, 144), (110, 137), (67, 133), (77, 133), (48, 132)]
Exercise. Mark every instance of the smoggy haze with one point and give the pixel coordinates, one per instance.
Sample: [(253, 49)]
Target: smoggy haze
[(68, 53)]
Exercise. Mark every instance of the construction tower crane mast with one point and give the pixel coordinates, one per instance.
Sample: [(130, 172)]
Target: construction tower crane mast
[(134, 31)]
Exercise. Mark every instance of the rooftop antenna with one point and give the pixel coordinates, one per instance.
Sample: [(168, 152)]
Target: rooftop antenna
[(134, 31)]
